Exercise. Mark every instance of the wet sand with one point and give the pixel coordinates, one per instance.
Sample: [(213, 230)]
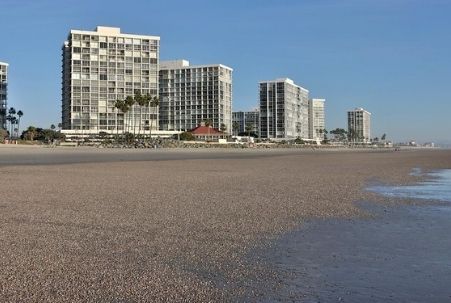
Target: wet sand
[(401, 255), (112, 226)]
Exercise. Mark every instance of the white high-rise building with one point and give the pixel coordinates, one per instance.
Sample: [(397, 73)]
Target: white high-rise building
[(316, 119), (359, 125), (101, 67), (283, 110), (192, 94), (3, 93)]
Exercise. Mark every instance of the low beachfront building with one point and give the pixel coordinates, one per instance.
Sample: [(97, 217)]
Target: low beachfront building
[(207, 133)]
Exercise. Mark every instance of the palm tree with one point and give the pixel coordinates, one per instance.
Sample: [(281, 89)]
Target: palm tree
[(12, 113), (223, 127), (129, 102), (141, 101), (19, 114), (122, 105), (352, 135), (154, 102), (248, 128), (325, 135), (12, 123), (320, 131), (208, 123), (119, 104), (235, 127)]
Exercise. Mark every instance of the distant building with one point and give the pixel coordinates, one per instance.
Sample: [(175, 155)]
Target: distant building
[(243, 119), (316, 119), (3, 93), (283, 110), (101, 67), (359, 125), (193, 94)]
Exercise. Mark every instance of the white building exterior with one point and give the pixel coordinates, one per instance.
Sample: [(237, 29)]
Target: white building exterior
[(3, 93), (359, 125), (283, 110), (192, 94), (101, 67), (317, 122)]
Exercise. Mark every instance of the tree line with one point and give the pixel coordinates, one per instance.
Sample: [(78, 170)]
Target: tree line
[(12, 123)]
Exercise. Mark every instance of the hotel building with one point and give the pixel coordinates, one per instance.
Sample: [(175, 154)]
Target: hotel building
[(101, 67), (3, 93), (316, 119), (359, 125), (243, 119), (192, 94), (283, 110)]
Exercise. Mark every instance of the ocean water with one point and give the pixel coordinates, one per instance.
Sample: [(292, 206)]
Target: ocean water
[(402, 254), (436, 187)]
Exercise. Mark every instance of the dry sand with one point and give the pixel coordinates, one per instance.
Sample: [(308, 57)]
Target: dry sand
[(174, 230)]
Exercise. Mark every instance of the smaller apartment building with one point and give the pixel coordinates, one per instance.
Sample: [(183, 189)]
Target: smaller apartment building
[(359, 125), (283, 110), (316, 119), (241, 120), (195, 94)]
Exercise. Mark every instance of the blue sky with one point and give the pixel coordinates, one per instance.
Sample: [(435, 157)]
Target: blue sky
[(392, 57)]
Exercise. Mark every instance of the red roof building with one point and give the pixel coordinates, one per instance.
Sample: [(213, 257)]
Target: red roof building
[(207, 133)]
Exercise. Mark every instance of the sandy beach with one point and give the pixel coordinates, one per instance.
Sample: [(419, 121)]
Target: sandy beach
[(87, 225)]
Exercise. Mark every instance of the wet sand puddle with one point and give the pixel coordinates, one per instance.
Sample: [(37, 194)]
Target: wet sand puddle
[(436, 187), (401, 256)]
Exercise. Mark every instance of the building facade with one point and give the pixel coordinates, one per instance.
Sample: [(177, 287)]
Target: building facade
[(359, 125), (3, 93), (101, 67), (317, 122), (283, 110), (192, 94), (240, 121)]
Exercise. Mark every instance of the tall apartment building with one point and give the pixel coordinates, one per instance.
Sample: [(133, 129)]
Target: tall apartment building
[(100, 67), (3, 93), (359, 125), (316, 118), (243, 119), (192, 94), (283, 110)]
